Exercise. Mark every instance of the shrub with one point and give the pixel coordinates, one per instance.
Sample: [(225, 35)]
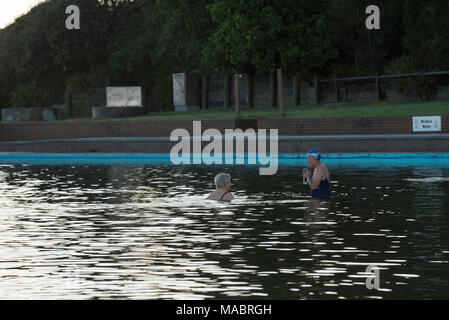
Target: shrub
[(423, 86)]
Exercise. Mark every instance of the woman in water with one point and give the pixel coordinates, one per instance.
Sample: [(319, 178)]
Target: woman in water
[(223, 185), (319, 180)]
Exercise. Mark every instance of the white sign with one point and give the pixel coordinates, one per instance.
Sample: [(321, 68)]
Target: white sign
[(124, 96), (425, 124), (179, 95)]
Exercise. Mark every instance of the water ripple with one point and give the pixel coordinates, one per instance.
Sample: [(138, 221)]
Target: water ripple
[(145, 232)]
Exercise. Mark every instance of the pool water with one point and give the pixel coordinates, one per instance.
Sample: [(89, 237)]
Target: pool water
[(146, 232)]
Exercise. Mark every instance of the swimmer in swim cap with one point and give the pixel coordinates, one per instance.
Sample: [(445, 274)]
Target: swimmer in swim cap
[(320, 179)]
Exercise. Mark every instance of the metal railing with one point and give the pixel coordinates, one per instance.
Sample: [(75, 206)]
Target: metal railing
[(377, 79)]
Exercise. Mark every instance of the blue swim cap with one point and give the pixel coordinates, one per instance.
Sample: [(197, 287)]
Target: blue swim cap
[(314, 154)]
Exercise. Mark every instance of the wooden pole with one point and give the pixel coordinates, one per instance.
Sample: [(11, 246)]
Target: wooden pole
[(205, 92), (377, 89), (68, 102), (227, 91), (237, 96), (272, 89), (337, 93), (317, 89), (250, 90), (281, 93), (144, 98), (295, 90)]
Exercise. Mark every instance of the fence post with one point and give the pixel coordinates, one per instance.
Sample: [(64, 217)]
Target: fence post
[(272, 89), (237, 96), (316, 82), (227, 91), (250, 90), (205, 92), (337, 89), (144, 98), (378, 93), (295, 92), (68, 102), (281, 93)]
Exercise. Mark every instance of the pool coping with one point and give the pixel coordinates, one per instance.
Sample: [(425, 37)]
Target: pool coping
[(287, 144), (442, 136)]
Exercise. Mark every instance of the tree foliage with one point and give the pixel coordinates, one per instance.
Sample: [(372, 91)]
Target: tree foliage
[(186, 32), (262, 36), (39, 56)]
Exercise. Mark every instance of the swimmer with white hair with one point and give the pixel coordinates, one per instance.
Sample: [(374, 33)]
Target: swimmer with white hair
[(320, 179), (223, 185)]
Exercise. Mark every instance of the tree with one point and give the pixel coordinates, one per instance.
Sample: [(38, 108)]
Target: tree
[(39, 56), (363, 51), (186, 32), (427, 31), (262, 36)]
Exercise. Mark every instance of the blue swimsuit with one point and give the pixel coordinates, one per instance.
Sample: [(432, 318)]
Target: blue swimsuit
[(323, 191)]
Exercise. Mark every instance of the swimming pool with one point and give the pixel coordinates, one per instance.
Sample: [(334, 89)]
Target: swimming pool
[(136, 227)]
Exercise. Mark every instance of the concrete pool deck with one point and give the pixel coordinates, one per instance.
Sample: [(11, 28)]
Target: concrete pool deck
[(288, 144)]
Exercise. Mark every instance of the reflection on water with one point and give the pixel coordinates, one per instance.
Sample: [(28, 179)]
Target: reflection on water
[(143, 232)]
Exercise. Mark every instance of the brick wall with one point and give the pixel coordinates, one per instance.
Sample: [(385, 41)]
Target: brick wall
[(93, 129), (332, 126), (96, 129)]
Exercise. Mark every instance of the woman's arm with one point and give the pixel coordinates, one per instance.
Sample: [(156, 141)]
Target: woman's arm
[(317, 176)]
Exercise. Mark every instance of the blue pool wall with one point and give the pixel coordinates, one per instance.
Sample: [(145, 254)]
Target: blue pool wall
[(440, 160)]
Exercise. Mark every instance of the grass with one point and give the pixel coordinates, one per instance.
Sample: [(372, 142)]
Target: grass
[(309, 111)]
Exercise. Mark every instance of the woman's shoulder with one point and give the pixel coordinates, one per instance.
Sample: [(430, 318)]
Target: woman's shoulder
[(228, 196), (212, 195)]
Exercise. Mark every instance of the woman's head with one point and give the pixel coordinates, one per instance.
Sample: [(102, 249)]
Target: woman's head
[(313, 157), (223, 180)]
